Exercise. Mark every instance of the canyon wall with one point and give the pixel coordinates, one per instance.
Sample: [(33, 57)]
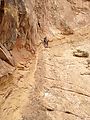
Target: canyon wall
[(38, 80), (33, 20)]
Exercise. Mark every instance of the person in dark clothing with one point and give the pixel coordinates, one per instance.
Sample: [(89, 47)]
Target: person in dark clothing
[(45, 42)]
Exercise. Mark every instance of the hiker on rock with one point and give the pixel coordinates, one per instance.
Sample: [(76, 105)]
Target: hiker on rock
[(45, 42)]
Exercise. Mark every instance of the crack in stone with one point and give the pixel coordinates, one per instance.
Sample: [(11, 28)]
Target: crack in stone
[(57, 56), (71, 91), (68, 112), (48, 64), (49, 109), (49, 78), (8, 94)]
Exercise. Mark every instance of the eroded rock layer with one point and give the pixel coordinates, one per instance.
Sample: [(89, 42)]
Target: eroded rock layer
[(44, 60)]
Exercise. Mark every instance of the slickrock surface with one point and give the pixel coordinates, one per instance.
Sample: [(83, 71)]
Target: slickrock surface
[(50, 80), (62, 85), (54, 85)]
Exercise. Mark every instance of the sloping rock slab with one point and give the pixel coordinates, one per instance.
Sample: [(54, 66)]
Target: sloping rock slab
[(5, 55), (5, 68)]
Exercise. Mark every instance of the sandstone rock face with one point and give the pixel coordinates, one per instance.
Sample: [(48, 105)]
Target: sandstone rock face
[(5, 69), (6, 56), (50, 79), (32, 20)]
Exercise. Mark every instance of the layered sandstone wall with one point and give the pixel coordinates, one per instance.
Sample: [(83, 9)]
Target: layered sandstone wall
[(31, 20), (38, 82)]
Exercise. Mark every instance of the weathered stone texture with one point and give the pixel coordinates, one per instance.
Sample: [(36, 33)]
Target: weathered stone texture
[(49, 40)]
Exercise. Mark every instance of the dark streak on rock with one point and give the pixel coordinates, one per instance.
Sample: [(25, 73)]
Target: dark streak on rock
[(71, 91), (49, 109), (49, 78), (68, 112), (8, 94)]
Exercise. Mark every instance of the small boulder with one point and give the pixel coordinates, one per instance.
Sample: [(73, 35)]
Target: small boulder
[(80, 53)]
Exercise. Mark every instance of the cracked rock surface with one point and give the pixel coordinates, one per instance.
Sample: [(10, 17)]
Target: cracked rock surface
[(62, 89), (50, 80), (52, 85)]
